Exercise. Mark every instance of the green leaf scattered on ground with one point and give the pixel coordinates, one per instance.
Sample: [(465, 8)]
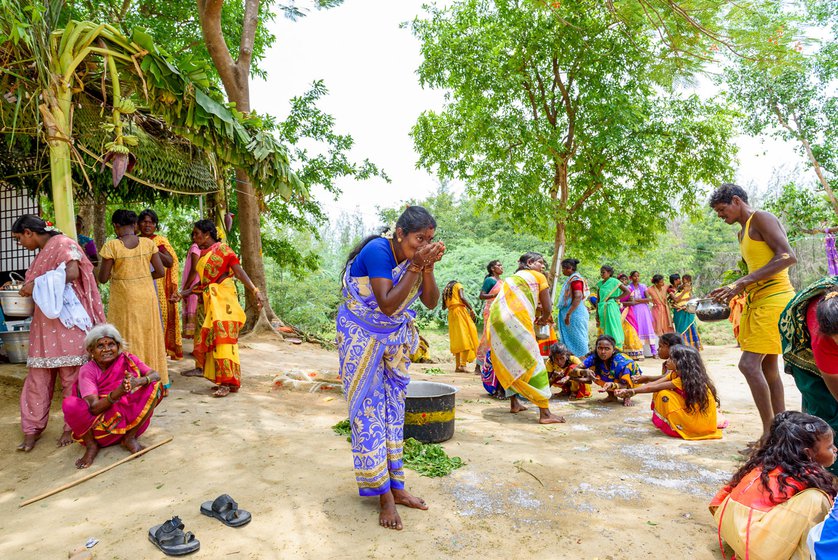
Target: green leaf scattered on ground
[(342, 428), (435, 371), (429, 459)]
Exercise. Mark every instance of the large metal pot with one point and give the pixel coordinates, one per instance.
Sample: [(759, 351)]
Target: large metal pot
[(16, 345), (15, 305), (429, 411), (709, 310)]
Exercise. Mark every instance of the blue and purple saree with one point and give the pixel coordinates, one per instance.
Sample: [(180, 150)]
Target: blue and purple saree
[(373, 349)]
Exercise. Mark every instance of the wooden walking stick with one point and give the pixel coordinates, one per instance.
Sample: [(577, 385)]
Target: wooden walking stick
[(94, 474)]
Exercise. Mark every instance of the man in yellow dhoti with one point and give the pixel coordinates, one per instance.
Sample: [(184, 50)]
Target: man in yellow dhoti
[(767, 289)]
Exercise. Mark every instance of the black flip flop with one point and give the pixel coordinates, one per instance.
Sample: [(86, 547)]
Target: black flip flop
[(225, 509), (170, 538)]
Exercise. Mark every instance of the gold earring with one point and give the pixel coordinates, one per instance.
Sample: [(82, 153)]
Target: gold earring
[(399, 239)]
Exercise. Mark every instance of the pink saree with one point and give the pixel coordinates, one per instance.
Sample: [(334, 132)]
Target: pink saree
[(131, 410), (483, 345), (190, 302), (51, 344)]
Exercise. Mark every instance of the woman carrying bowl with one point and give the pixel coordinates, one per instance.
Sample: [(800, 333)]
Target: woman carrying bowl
[(56, 342), (113, 398)]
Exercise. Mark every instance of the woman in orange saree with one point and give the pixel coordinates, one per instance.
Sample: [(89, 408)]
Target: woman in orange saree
[(661, 313), (168, 286)]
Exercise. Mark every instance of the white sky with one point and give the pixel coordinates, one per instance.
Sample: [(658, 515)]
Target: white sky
[(369, 66)]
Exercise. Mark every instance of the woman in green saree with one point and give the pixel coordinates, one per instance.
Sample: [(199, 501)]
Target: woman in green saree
[(609, 291)]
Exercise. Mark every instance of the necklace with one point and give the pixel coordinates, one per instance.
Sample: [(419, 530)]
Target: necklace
[(393, 248)]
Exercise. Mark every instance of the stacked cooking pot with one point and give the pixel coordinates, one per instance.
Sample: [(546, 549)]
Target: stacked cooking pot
[(17, 310)]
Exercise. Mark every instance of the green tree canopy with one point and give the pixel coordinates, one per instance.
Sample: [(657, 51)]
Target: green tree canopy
[(566, 123)]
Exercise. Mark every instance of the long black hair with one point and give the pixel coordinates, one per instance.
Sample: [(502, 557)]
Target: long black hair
[(657, 278), (447, 292), (598, 362), (559, 349), (784, 447), (123, 217), (490, 266), (151, 214), (671, 339), (413, 219), (608, 269), (523, 260), (673, 278), (34, 224), (693, 374), (207, 226), (827, 313), (570, 263)]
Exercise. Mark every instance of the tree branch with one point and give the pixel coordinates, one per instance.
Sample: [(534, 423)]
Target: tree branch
[(209, 13), (251, 22)]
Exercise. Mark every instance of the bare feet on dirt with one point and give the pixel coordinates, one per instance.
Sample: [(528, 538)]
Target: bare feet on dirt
[(405, 498), (132, 445), (222, 391), (28, 442), (388, 517), (515, 405), (65, 439), (90, 452), (547, 417)]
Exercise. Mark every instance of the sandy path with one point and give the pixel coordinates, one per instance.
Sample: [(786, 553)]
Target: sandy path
[(605, 485)]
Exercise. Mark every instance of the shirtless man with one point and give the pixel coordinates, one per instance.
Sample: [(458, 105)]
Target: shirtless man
[(767, 289)]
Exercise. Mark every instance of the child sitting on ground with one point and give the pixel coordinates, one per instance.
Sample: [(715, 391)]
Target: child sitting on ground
[(685, 400), (780, 493), (561, 366), (609, 368)]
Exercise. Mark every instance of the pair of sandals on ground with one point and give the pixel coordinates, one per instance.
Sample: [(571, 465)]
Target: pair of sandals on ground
[(173, 541)]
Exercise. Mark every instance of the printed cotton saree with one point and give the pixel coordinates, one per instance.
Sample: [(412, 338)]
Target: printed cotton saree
[(374, 351), (608, 309), (216, 346), (128, 412), (516, 358), (574, 335)]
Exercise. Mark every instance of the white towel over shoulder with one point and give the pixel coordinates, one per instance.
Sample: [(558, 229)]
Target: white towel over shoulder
[(55, 298)]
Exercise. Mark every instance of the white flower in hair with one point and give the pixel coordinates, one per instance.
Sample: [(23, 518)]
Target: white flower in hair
[(389, 231)]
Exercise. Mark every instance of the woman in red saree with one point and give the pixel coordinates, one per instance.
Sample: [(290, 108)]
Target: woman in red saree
[(55, 349), (114, 397), (220, 317)]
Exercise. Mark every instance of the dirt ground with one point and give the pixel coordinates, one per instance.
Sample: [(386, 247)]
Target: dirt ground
[(605, 485)]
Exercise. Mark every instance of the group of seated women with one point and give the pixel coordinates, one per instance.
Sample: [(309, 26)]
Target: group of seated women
[(684, 402)]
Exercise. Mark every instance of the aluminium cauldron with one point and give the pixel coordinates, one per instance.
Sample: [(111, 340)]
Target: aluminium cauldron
[(429, 411)]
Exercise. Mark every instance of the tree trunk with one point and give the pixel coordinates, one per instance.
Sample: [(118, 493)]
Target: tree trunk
[(559, 194), (235, 76), (100, 207), (57, 111)]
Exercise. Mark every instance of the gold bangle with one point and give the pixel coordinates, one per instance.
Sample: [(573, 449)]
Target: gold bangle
[(414, 268)]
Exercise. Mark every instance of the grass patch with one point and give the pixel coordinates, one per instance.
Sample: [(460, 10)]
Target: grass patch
[(429, 459), (434, 371)]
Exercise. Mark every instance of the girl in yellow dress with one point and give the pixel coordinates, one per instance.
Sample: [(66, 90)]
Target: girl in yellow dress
[(685, 400), (131, 263), (462, 332)]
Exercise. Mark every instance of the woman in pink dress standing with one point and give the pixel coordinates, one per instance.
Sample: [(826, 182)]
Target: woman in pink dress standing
[(56, 346)]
